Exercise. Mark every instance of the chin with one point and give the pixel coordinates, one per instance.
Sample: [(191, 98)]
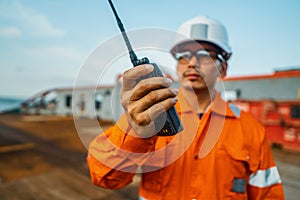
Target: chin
[(190, 85)]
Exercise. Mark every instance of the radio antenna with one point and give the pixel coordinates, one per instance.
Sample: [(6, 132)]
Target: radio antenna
[(132, 55)]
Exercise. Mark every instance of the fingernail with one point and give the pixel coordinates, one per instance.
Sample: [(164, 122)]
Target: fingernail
[(168, 80), (175, 100), (175, 91), (149, 67)]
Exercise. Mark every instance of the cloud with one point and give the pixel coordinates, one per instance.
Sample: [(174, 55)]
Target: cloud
[(28, 20), (10, 32), (54, 52)]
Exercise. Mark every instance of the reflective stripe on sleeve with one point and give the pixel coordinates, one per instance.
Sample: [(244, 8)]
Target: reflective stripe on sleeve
[(141, 198), (265, 178)]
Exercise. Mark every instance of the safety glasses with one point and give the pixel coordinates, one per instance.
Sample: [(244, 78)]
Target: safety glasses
[(187, 55)]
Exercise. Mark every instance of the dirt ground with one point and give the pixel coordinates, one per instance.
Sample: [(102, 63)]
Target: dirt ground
[(44, 158)]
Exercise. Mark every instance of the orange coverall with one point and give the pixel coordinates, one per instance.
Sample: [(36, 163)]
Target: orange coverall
[(223, 155)]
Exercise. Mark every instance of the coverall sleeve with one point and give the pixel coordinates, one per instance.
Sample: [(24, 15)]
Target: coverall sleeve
[(265, 183), (114, 155)]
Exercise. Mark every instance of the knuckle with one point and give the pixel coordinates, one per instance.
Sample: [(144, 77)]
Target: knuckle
[(131, 111), (141, 120), (143, 85), (124, 101), (138, 121), (142, 88), (126, 75), (152, 96)]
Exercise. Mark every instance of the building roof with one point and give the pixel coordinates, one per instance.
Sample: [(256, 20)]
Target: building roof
[(284, 73), (84, 88)]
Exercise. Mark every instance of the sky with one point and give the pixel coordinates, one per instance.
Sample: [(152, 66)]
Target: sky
[(45, 44)]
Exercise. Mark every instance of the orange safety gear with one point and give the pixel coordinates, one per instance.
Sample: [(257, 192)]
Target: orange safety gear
[(223, 155)]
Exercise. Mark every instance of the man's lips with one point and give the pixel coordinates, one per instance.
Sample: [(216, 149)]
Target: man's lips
[(192, 76)]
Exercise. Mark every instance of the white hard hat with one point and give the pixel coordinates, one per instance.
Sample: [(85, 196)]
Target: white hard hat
[(205, 29)]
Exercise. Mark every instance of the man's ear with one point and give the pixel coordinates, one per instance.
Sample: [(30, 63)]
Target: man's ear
[(223, 70)]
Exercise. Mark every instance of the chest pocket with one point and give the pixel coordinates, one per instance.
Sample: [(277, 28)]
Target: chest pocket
[(248, 155), (237, 165)]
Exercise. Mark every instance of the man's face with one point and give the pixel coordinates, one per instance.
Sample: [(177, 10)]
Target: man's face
[(198, 66)]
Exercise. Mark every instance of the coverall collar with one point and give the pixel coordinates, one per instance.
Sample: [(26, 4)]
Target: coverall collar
[(218, 106)]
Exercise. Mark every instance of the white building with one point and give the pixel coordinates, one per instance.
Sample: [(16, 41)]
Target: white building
[(88, 102)]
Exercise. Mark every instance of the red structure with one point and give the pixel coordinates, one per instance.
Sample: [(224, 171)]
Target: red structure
[(280, 118), (274, 100)]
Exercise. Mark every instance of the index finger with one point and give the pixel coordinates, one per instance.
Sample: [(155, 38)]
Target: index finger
[(131, 76)]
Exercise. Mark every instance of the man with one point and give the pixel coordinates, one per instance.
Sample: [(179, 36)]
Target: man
[(222, 152)]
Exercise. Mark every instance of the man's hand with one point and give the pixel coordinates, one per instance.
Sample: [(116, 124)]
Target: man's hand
[(143, 101)]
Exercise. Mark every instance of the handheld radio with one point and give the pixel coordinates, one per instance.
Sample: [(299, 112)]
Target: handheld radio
[(172, 124)]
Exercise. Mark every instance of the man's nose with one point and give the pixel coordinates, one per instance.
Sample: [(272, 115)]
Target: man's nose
[(193, 62)]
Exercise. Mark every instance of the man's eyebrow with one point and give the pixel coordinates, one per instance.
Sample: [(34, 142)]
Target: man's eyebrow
[(189, 49)]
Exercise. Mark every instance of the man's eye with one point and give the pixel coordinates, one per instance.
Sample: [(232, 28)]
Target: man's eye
[(202, 53), (185, 55), (207, 54)]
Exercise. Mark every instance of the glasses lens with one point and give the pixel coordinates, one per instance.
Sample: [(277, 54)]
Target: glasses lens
[(209, 54), (183, 55), (201, 54)]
